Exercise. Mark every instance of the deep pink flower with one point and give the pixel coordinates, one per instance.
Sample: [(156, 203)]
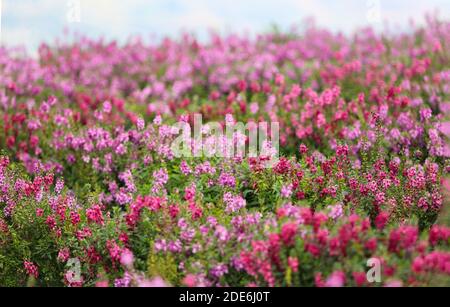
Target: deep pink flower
[(288, 233), (31, 269), (360, 278), (382, 220), (64, 255), (293, 264), (95, 215), (39, 212)]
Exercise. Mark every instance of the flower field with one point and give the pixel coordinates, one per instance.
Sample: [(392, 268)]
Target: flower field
[(92, 192)]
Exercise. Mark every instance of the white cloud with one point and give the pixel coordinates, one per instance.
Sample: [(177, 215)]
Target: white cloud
[(1, 15), (31, 21), (17, 36), (197, 15), (105, 14)]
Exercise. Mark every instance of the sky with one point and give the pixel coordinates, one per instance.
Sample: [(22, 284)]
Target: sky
[(29, 22)]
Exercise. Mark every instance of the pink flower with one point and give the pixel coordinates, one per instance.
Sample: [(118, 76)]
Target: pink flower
[(254, 108), (381, 220), (336, 212), (425, 114), (219, 270), (288, 232), (336, 280), (127, 258), (233, 203), (59, 185), (74, 218), (342, 150), (107, 107), (31, 269), (39, 212), (185, 169), (140, 123), (190, 281), (227, 180), (157, 282), (423, 204), (102, 284), (51, 222), (190, 192), (286, 191), (394, 284), (158, 120), (293, 264), (360, 278), (95, 215), (64, 255)]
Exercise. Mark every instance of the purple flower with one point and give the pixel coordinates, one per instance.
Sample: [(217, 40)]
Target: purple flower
[(219, 270), (425, 114), (286, 191), (140, 124), (336, 212), (227, 180)]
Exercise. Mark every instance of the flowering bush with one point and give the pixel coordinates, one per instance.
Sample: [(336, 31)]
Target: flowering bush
[(94, 194)]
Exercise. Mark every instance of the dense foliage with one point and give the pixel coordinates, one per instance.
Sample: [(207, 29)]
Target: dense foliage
[(92, 194)]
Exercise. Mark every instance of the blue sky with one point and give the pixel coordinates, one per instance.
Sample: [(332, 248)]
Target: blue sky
[(28, 22)]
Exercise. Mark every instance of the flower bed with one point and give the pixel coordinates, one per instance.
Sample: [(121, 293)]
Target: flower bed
[(93, 193)]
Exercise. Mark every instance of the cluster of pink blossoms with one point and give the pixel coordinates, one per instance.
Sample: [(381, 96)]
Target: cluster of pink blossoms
[(89, 173)]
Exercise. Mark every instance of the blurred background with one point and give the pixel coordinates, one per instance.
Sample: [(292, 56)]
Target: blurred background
[(29, 22)]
